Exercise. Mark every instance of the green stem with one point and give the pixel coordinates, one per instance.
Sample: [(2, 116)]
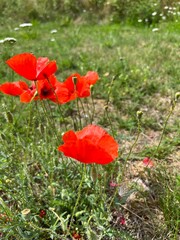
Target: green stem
[(78, 196), (128, 157), (79, 113), (135, 141), (165, 124)]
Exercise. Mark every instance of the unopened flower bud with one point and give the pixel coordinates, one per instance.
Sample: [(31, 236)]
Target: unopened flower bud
[(177, 95), (139, 114)]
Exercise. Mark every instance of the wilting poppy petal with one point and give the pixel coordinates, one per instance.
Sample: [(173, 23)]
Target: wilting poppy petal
[(24, 64), (13, 88), (90, 145)]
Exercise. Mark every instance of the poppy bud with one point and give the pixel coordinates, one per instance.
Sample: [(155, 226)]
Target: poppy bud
[(42, 213), (139, 115), (177, 95)]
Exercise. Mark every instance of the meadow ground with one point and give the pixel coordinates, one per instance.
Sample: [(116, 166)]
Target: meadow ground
[(139, 71)]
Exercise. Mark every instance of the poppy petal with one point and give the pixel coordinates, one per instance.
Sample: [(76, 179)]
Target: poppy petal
[(47, 71), (83, 88), (41, 64), (90, 145), (13, 88), (91, 77), (24, 64)]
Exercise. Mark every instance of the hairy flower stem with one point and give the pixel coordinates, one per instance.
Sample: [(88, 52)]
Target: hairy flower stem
[(123, 172), (106, 112), (165, 124), (79, 113), (48, 118), (93, 106), (84, 112), (78, 196), (135, 141)]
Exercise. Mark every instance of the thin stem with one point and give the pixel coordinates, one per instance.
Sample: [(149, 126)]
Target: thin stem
[(128, 157), (135, 141), (93, 104), (165, 124), (78, 196), (84, 112), (79, 113)]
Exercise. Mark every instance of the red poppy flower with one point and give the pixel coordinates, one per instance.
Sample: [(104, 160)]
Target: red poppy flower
[(30, 67), (46, 88), (13, 88), (90, 145), (148, 162), (84, 83), (76, 86)]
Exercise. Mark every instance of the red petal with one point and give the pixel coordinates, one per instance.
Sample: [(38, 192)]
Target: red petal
[(90, 145), (28, 96), (91, 77), (46, 88), (41, 64), (13, 88), (24, 64), (69, 147), (148, 162), (83, 88), (47, 71), (70, 84)]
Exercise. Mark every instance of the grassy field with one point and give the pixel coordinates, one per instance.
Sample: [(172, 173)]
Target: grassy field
[(139, 71)]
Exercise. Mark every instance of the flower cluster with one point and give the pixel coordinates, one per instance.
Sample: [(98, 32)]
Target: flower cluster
[(40, 71), (90, 145)]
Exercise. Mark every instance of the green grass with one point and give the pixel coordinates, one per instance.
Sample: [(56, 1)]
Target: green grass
[(138, 69)]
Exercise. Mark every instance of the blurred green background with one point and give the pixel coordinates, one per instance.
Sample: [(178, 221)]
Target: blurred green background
[(132, 11)]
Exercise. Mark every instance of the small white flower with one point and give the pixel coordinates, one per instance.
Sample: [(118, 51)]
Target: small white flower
[(163, 17), (166, 7), (139, 20), (53, 31), (155, 29), (146, 20), (154, 13), (9, 40), (25, 25), (52, 39), (16, 29)]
